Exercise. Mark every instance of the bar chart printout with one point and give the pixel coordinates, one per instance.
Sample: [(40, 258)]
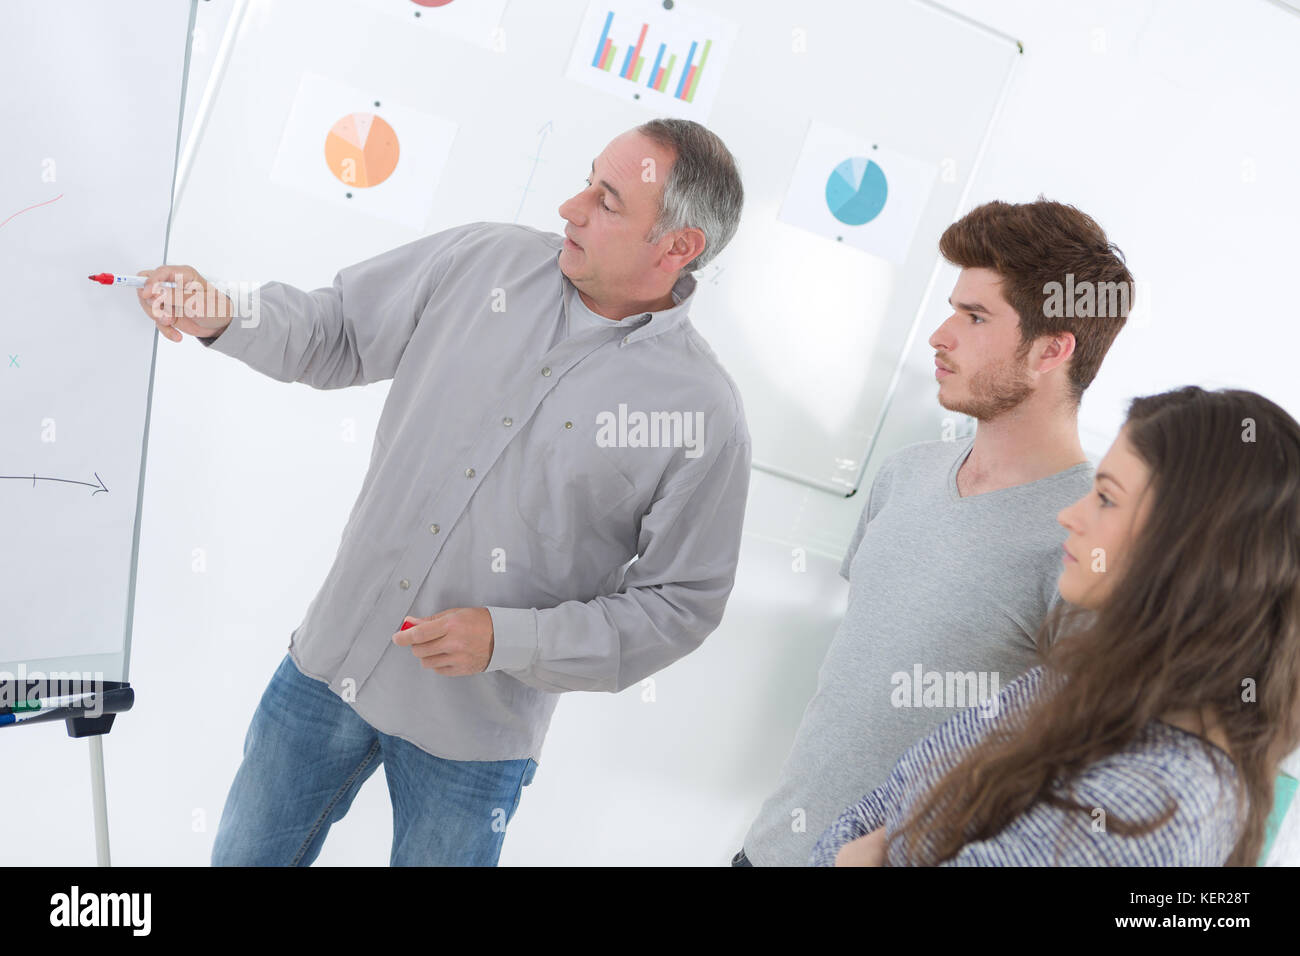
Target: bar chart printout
[(671, 61)]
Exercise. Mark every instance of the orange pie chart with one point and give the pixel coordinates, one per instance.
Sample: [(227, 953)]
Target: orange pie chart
[(361, 150)]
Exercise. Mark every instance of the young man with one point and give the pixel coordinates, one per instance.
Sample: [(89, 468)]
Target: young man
[(954, 562), (515, 511)]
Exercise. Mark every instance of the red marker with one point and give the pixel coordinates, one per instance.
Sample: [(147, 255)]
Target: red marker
[(135, 282), (406, 624)]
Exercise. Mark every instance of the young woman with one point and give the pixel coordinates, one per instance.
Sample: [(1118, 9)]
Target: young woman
[(1152, 733)]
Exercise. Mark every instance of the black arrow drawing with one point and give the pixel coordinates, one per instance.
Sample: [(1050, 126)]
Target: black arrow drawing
[(99, 486)]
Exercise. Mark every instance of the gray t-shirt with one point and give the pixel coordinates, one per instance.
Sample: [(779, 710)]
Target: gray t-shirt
[(946, 595), (582, 318)]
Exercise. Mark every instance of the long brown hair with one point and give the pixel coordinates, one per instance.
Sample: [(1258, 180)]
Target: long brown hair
[(1205, 614)]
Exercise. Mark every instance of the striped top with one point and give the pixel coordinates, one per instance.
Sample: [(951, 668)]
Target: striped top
[(1133, 785)]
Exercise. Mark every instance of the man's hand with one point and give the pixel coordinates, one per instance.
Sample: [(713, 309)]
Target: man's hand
[(193, 306), (456, 642), (864, 851)]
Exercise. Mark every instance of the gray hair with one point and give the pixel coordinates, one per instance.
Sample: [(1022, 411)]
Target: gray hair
[(703, 189)]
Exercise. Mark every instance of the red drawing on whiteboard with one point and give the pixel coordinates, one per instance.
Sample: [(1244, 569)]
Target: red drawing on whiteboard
[(21, 211)]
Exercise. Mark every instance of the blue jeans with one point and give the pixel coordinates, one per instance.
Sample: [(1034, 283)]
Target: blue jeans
[(306, 755)]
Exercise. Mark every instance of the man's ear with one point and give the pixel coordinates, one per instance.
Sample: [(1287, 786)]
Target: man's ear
[(1062, 344), (687, 246)]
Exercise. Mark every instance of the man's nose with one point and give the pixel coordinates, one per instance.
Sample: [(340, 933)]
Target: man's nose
[(570, 210), (939, 337)]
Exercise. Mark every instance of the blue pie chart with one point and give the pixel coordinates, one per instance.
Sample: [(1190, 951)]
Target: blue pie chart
[(856, 191)]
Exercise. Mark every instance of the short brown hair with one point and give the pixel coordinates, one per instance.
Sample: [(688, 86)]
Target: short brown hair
[(1043, 250)]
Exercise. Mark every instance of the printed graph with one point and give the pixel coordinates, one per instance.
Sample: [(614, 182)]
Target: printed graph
[(858, 191), (670, 60), (341, 144), (361, 150)]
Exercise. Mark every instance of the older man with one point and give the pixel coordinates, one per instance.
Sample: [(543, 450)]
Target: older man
[(554, 500)]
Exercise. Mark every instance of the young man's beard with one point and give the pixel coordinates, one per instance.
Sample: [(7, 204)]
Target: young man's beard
[(994, 391)]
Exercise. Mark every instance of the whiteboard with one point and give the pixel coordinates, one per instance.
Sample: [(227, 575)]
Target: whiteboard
[(88, 169), (810, 327)]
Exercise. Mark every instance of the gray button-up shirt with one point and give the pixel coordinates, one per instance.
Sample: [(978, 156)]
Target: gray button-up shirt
[(588, 489)]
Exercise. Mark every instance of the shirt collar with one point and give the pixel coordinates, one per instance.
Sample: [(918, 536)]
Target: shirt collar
[(647, 324)]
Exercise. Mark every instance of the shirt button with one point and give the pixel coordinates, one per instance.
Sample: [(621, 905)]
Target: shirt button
[(546, 371), (568, 424), (433, 528), (405, 584), (469, 472), (507, 422)]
